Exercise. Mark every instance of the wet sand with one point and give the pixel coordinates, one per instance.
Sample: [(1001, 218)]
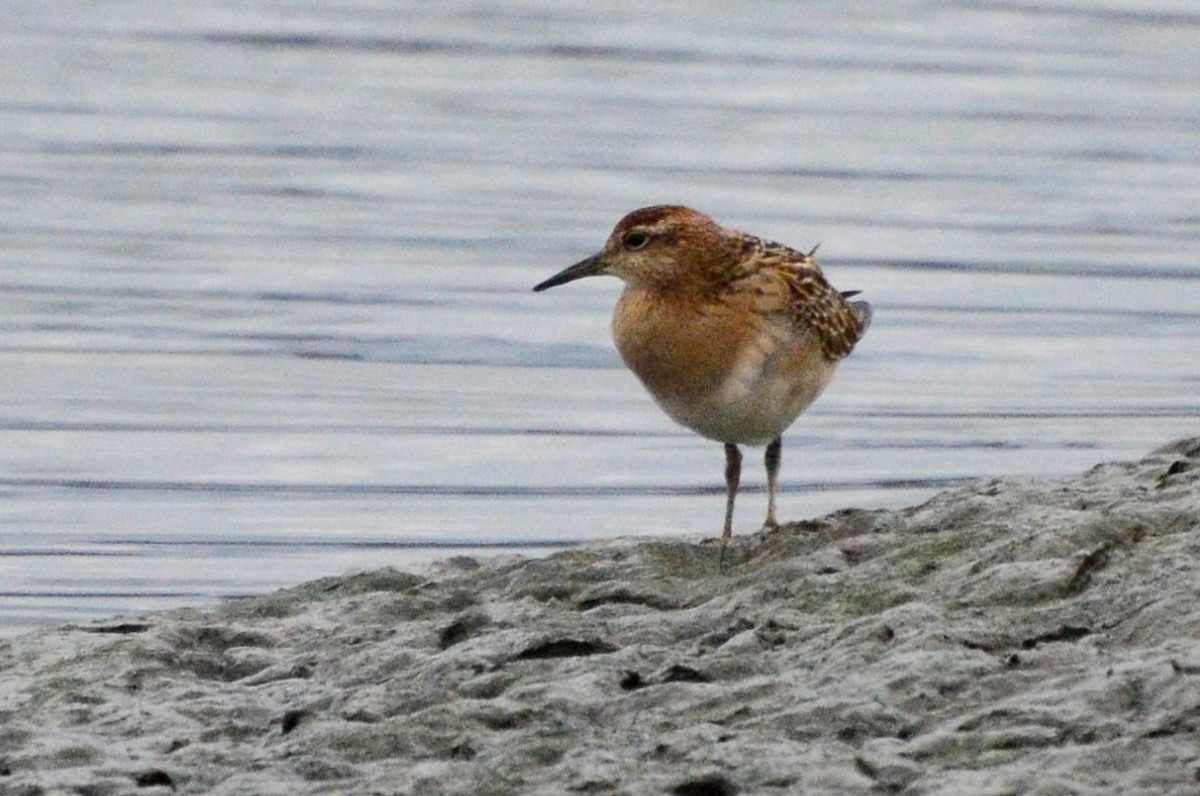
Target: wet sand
[(1013, 636)]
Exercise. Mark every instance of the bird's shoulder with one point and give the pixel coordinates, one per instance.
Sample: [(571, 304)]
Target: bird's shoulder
[(785, 282)]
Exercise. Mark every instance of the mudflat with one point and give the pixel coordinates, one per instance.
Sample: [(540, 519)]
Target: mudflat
[(1012, 636)]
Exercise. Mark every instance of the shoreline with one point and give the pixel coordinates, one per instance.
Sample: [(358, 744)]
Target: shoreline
[(1012, 635)]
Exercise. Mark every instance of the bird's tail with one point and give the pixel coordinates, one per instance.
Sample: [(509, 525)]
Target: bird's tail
[(862, 311)]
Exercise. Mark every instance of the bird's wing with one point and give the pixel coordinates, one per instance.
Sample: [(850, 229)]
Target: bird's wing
[(790, 282)]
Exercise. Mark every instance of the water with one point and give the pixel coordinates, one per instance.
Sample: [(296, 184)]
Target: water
[(264, 300)]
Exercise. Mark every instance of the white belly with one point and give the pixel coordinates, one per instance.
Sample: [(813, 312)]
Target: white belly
[(755, 403)]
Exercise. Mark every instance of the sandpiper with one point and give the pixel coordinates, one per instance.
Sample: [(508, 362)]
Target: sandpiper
[(733, 336)]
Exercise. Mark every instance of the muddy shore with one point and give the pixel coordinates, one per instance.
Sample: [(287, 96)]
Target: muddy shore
[(1035, 636)]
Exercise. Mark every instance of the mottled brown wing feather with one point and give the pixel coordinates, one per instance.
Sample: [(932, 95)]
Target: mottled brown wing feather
[(810, 300), (823, 312)]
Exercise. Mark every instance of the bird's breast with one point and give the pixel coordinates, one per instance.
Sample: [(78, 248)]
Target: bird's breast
[(723, 370)]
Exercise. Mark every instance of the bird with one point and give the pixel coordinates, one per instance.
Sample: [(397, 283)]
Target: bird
[(732, 335)]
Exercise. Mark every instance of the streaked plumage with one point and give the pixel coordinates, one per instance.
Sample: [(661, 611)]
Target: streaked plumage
[(732, 335)]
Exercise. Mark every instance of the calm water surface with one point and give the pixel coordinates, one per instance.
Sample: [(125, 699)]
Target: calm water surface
[(265, 308)]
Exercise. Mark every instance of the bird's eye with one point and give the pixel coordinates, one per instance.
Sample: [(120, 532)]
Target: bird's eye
[(636, 240)]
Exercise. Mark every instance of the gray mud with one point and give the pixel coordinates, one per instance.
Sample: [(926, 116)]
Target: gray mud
[(1012, 636)]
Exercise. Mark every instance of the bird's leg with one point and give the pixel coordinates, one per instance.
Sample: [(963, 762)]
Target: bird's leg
[(772, 460), (733, 474)]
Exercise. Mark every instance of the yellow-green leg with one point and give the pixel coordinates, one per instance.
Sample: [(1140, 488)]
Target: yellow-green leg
[(733, 475)]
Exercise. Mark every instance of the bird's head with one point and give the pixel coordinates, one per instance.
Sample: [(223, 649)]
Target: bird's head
[(663, 245)]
